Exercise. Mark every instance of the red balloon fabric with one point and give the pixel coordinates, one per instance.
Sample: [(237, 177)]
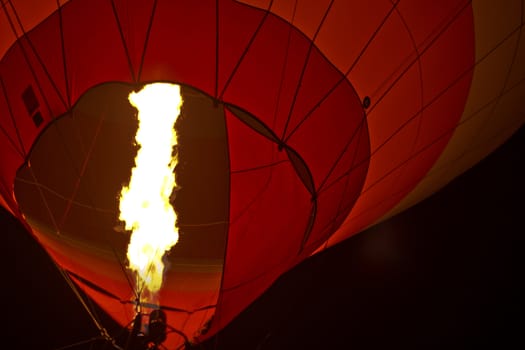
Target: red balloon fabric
[(304, 123)]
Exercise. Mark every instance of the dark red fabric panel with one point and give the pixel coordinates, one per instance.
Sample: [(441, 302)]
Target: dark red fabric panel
[(12, 153), (181, 46), (94, 51), (7, 127), (329, 134), (134, 17), (329, 143), (352, 188), (43, 50), (237, 25), (338, 196), (426, 19), (319, 78), (328, 205), (268, 75), (354, 160), (269, 206), (16, 78)]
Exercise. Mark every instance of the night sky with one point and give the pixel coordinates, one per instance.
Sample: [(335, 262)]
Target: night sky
[(445, 274)]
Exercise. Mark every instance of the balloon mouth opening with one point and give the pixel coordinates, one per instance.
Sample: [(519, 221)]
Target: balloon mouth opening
[(80, 161), (68, 193)]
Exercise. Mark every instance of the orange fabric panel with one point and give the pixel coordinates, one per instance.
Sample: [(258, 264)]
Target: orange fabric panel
[(498, 71), (406, 130)]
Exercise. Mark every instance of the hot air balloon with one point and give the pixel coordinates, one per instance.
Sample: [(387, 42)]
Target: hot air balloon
[(303, 123)]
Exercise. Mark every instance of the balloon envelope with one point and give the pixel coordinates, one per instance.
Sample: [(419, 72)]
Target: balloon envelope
[(303, 124)]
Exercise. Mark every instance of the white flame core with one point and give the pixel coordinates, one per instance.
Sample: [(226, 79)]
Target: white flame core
[(145, 203)]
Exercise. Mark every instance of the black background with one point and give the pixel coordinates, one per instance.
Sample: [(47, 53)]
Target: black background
[(445, 274)]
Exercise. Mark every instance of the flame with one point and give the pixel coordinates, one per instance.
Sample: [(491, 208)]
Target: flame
[(145, 203)]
